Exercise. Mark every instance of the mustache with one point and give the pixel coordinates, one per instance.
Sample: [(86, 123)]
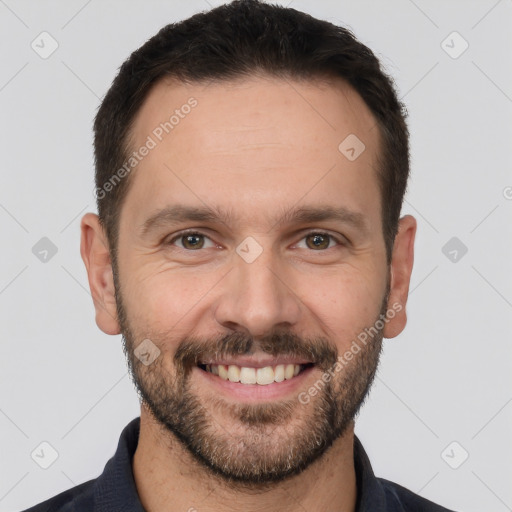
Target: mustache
[(318, 350)]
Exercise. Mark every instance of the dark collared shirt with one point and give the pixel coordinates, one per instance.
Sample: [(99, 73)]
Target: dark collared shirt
[(114, 490)]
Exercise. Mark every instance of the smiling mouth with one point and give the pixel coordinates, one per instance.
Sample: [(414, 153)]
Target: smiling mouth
[(250, 375)]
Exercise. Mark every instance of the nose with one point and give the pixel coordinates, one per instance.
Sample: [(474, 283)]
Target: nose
[(258, 297)]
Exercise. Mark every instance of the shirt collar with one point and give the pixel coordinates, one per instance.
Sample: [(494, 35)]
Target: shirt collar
[(115, 489), (370, 494)]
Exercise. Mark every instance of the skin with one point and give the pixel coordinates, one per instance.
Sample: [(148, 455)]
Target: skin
[(257, 147)]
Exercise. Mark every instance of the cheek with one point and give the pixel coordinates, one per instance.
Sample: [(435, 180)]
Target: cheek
[(346, 303), (164, 298), (170, 302)]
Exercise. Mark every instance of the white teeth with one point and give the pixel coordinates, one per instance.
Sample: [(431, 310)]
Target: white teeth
[(288, 371), (265, 375), (279, 373), (234, 373), (223, 371), (248, 375)]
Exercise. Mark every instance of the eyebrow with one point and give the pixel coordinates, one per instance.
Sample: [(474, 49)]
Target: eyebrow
[(178, 214)]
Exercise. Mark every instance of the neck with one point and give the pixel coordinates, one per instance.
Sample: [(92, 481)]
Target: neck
[(168, 477)]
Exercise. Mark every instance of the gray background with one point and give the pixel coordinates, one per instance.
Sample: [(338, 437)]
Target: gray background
[(447, 378)]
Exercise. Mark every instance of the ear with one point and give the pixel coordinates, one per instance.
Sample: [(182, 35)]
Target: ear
[(96, 256), (401, 268)]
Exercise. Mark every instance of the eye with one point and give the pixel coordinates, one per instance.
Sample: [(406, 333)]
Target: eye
[(317, 240), (194, 240), (191, 240)]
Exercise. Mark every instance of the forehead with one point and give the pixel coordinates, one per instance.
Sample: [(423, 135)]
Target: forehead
[(325, 105), (264, 138)]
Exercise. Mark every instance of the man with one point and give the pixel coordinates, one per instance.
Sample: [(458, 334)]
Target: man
[(251, 163)]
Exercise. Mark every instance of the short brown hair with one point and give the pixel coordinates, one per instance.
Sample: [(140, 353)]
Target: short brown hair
[(243, 38)]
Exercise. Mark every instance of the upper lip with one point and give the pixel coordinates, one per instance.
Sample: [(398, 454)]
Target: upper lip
[(255, 361)]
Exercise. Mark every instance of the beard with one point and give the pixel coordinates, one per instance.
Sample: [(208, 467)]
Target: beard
[(250, 445)]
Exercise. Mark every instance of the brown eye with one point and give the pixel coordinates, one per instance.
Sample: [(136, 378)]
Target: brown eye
[(193, 241), (318, 240), (190, 241)]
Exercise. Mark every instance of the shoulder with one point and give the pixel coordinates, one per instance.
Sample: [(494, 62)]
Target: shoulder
[(114, 489), (76, 499), (404, 500)]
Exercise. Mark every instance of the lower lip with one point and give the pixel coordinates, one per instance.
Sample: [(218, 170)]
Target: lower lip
[(256, 392)]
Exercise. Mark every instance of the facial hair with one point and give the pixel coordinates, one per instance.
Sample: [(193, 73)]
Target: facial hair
[(262, 443)]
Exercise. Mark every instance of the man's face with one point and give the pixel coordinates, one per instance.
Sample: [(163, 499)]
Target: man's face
[(255, 288)]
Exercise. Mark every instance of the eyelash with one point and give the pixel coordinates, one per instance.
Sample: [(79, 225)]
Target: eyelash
[(193, 232)]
